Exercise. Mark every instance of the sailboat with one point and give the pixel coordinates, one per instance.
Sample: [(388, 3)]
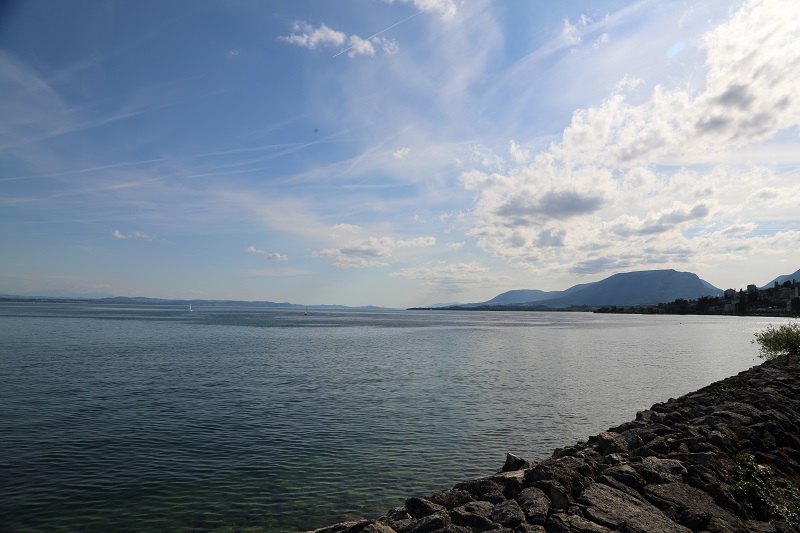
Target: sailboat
[(190, 308)]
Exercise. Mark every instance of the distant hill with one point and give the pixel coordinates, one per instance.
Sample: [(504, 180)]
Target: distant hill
[(782, 279), (526, 295), (140, 300), (648, 287)]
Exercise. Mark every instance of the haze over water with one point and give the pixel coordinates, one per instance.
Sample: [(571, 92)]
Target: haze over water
[(134, 418)]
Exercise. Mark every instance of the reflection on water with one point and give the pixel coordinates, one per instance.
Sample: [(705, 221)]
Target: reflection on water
[(153, 418)]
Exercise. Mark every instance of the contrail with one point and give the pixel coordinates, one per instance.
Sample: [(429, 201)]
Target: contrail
[(382, 31)]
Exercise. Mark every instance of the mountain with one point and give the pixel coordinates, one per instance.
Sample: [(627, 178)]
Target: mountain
[(782, 279), (530, 295), (648, 287)]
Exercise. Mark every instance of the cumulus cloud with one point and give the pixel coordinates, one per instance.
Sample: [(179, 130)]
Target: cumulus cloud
[(135, 235), (307, 36), (371, 252), (518, 154), (269, 256), (637, 182)]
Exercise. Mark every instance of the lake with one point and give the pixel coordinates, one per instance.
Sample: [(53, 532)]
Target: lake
[(151, 418)]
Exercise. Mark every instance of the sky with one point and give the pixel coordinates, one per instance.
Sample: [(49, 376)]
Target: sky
[(394, 152)]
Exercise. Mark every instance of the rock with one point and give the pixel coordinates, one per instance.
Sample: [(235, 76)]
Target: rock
[(535, 504), (655, 470), (562, 523), (672, 469), (450, 499), (508, 513), (361, 526), (691, 507), (516, 463), (473, 517), (420, 507), (625, 474), (609, 442), (487, 489), (560, 478), (616, 510)]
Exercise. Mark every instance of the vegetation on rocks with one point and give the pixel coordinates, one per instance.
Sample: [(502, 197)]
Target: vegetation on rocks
[(782, 341), (763, 495)]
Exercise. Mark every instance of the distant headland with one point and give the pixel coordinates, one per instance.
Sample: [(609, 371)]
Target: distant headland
[(652, 292)]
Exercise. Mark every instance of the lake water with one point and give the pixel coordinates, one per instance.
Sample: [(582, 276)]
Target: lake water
[(135, 418)]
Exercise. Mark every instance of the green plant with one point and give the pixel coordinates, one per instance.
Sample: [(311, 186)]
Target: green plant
[(763, 495), (782, 341)]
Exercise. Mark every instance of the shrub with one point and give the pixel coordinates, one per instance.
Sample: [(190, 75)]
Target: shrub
[(781, 341)]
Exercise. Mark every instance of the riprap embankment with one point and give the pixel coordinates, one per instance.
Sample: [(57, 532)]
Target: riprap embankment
[(725, 458)]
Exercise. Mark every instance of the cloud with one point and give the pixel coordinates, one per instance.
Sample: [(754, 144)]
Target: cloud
[(446, 9), (570, 34), (600, 41), (518, 154), (647, 178), (135, 235), (269, 256), (349, 228), (527, 207), (307, 36), (401, 153), (450, 278), (371, 252)]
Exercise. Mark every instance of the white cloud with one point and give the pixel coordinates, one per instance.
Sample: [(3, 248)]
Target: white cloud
[(518, 154), (570, 34), (306, 36), (445, 8), (135, 235), (455, 245), (401, 153), (269, 256), (418, 242), (621, 188), (371, 252), (450, 279), (600, 41), (349, 228)]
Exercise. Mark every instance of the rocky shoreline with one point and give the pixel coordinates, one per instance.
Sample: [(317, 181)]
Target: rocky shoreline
[(725, 458)]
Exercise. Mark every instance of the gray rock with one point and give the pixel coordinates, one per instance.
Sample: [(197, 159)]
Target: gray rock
[(476, 521), (691, 507), (450, 499), (610, 442), (419, 507), (535, 504), (361, 526), (508, 513), (563, 523), (616, 510)]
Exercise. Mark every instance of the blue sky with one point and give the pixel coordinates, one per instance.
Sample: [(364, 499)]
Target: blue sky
[(394, 153)]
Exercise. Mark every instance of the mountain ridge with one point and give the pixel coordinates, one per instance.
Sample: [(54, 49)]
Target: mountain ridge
[(643, 287)]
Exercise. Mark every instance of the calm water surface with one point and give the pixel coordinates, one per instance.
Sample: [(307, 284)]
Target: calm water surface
[(135, 418)]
